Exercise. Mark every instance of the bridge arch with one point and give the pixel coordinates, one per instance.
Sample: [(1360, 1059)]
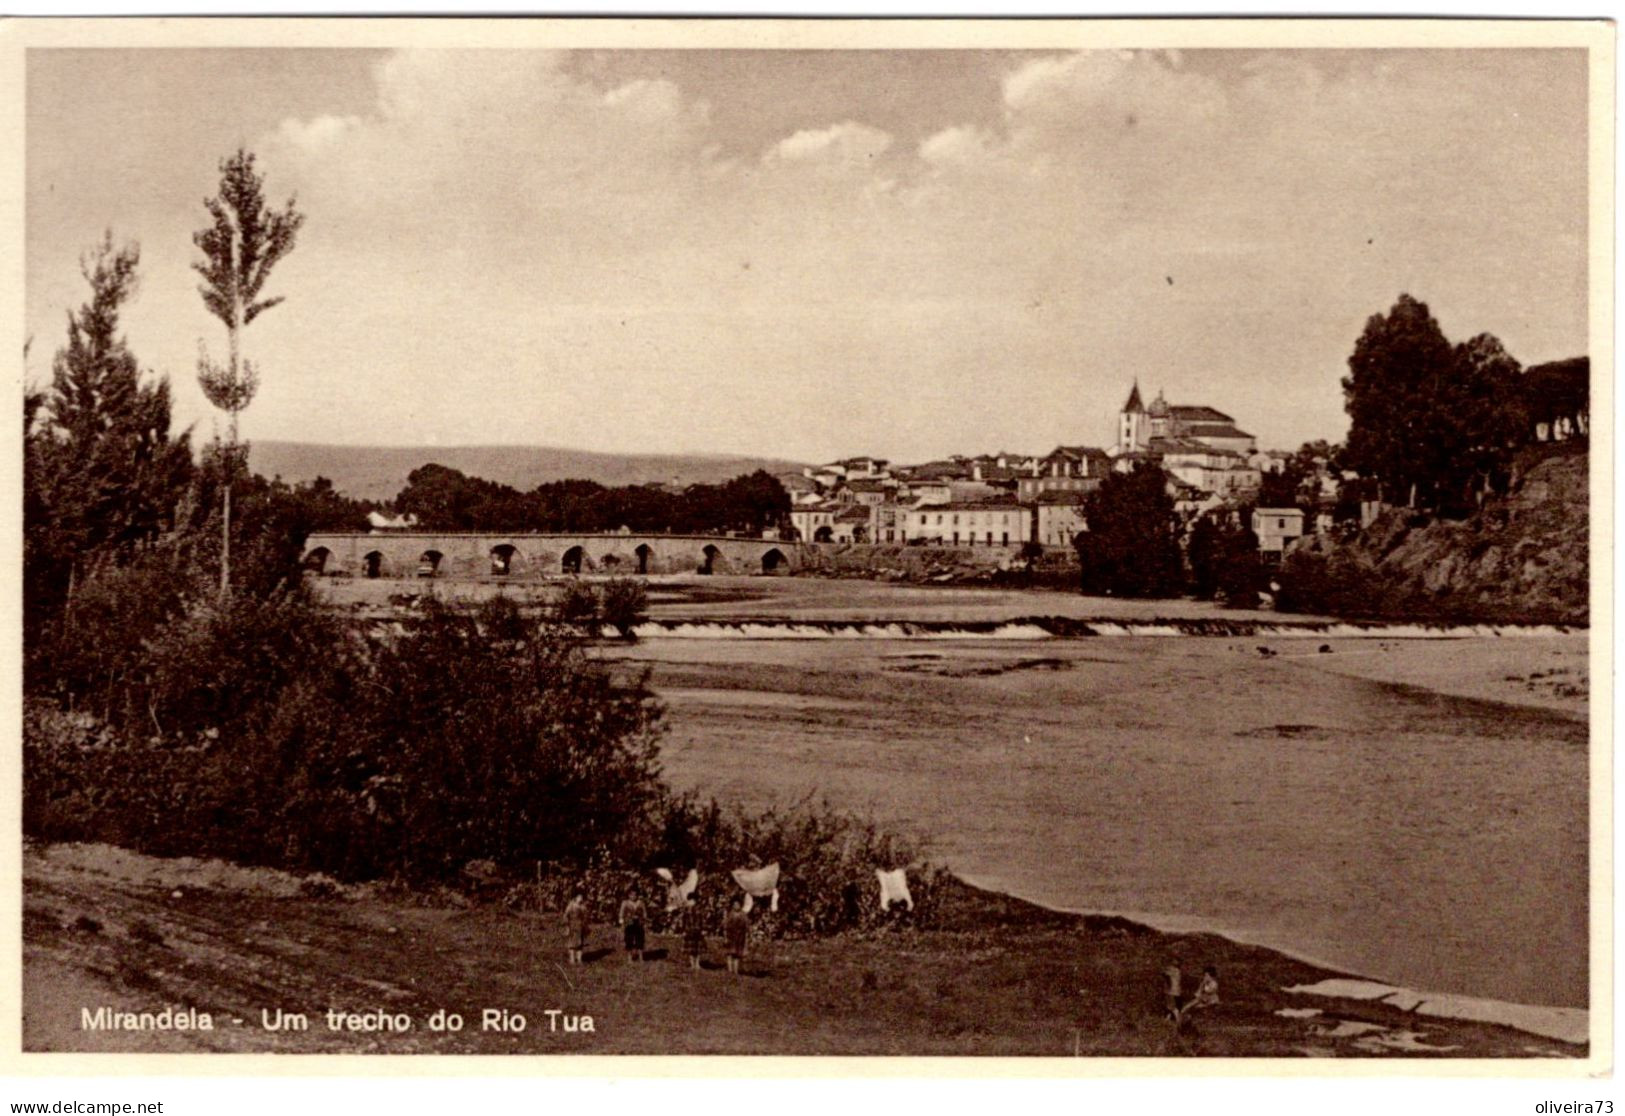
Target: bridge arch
[(574, 559), (713, 560), (539, 555)]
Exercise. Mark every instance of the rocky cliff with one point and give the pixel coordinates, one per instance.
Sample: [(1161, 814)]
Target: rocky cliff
[(1522, 557)]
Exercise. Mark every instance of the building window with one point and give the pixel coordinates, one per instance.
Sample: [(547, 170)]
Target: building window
[(1006, 541)]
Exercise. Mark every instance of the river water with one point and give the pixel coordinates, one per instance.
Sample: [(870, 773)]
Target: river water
[(1401, 833)]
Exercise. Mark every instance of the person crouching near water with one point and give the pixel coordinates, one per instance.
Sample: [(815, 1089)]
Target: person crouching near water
[(736, 931), (576, 925), (1207, 995), (693, 933), (631, 919)]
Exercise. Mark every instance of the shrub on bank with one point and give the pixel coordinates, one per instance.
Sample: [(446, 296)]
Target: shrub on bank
[(414, 750), (827, 860), (577, 604), (623, 605)]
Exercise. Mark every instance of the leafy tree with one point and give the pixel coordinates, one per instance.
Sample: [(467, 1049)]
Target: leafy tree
[(566, 770), (1557, 398), (1132, 546), (1433, 424), (1490, 416), (244, 241), (1240, 570), (1284, 489), (446, 499), (1224, 560), (1395, 395), (1202, 554), (102, 471)]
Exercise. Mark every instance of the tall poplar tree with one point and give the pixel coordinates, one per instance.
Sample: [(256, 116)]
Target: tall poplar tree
[(245, 240)]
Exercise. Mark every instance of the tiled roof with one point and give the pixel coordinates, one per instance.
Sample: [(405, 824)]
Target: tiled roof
[(1198, 414), (976, 506), (1215, 430)]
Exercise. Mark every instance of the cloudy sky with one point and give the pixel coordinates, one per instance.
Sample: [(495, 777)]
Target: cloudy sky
[(814, 254)]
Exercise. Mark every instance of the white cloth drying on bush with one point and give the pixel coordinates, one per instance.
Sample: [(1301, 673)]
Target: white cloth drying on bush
[(677, 893), (894, 888), (759, 883)]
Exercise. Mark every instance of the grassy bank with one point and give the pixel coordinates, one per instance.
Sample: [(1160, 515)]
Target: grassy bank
[(996, 977)]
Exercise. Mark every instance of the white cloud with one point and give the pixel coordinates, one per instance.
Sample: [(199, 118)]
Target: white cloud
[(960, 145), (518, 210), (320, 132), (848, 144)]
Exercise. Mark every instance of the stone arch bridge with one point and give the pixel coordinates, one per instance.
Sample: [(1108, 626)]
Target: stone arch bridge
[(425, 554)]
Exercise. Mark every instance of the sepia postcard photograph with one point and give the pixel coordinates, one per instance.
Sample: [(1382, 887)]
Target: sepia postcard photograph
[(996, 541)]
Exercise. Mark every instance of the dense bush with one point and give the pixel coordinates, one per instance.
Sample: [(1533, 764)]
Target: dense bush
[(1333, 586), (1223, 560), (623, 605), (577, 604), (446, 499), (452, 736), (1132, 546), (827, 860), (270, 732)]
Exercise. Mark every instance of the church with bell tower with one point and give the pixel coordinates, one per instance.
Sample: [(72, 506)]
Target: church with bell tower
[(1161, 427), (1133, 427)]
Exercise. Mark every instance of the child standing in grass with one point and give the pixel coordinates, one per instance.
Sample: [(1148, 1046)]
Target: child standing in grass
[(1170, 991), (735, 931), (576, 924), (693, 933), (631, 918)]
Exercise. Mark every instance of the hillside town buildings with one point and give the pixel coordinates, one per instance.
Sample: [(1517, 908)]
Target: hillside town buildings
[(1007, 499)]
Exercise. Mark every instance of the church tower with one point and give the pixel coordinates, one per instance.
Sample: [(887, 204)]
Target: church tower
[(1132, 424)]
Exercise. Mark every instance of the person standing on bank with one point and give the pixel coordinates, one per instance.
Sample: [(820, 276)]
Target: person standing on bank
[(631, 918), (735, 932), (576, 924), (693, 933)]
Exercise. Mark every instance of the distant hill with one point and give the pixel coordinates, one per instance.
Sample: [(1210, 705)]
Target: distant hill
[(379, 472)]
